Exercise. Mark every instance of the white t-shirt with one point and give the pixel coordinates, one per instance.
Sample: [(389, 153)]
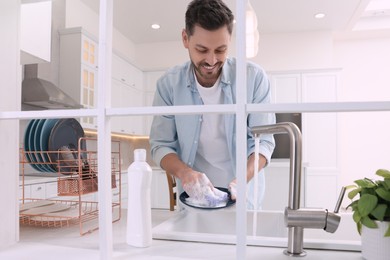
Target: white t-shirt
[(212, 157)]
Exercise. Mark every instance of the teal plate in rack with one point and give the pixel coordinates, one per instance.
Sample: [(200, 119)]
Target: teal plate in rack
[(66, 132), (31, 147), (26, 141), (37, 147), (44, 142), (27, 146)]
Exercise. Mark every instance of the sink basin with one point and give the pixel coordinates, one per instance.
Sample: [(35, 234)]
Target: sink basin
[(218, 226)]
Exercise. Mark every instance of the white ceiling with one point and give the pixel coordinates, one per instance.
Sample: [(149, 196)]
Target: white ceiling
[(134, 18)]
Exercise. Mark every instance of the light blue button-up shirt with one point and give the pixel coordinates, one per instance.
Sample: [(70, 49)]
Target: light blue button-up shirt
[(180, 133)]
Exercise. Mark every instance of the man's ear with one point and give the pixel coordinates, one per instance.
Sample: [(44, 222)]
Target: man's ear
[(184, 38)]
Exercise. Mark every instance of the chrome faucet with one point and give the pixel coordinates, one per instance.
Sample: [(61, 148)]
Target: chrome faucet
[(296, 218)]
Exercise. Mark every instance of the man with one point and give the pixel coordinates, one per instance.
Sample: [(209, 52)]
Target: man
[(199, 150)]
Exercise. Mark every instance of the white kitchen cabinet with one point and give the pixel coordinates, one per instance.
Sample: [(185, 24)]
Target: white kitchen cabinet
[(51, 191), (319, 130), (124, 191), (38, 191), (160, 192), (27, 191), (35, 32), (285, 88), (78, 69), (277, 179), (124, 95), (127, 91)]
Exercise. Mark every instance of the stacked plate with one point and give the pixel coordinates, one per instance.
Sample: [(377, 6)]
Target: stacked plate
[(44, 139)]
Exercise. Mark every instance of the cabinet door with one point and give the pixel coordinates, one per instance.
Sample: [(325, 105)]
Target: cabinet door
[(88, 93), (38, 191), (124, 95), (286, 88), (116, 99), (89, 52), (35, 31), (27, 191), (124, 191), (160, 193), (132, 97), (51, 190), (320, 129)]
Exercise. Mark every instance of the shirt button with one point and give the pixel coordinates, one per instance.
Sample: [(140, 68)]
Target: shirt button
[(189, 163), (195, 142)]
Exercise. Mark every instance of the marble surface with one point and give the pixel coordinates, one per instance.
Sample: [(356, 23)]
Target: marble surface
[(37, 243)]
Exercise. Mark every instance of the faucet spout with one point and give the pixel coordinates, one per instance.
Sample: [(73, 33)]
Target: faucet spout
[(296, 219), (295, 136)]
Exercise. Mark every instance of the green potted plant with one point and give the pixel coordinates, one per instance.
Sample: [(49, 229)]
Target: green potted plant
[(371, 212)]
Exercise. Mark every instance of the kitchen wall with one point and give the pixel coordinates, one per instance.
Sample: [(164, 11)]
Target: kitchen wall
[(364, 137), (364, 61)]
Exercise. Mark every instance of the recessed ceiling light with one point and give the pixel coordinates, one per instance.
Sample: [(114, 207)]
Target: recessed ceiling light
[(319, 16), (155, 26)]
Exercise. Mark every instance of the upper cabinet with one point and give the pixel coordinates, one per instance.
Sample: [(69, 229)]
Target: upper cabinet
[(127, 91), (35, 32), (319, 130), (286, 87), (78, 69)]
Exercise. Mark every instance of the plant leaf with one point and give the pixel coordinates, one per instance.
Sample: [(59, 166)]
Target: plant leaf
[(353, 193), (366, 221), (384, 194), (366, 204), (387, 234), (386, 184), (359, 227), (383, 173), (365, 183), (356, 216), (379, 212)]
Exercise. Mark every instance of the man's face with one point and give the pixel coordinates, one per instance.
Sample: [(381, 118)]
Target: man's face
[(208, 51)]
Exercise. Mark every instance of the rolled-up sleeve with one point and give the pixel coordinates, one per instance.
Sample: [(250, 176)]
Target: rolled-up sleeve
[(261, 94), (163, 137)]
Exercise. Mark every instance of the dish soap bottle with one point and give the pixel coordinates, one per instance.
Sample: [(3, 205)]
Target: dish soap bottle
[(139, 216)]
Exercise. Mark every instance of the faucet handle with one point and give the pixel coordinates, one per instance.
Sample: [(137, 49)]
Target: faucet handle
[(340, 200)]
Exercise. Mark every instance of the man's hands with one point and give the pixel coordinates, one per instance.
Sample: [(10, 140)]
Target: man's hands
[(233, 189), (201, 192)]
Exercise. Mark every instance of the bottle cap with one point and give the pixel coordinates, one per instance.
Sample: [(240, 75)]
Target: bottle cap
[(140, 155)]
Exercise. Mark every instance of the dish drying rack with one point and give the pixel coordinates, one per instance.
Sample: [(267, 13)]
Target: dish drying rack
[(77, 176)]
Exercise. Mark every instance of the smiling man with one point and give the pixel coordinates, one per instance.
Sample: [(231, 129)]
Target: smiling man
[(200, 150)]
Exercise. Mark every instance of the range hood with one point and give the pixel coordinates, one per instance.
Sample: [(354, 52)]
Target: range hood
[(44, 94)]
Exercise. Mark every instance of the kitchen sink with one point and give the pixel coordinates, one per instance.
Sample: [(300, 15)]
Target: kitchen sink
[(218, 226)]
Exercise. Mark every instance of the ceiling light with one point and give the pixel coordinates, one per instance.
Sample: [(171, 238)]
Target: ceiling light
[(319, 16), (155, 26)]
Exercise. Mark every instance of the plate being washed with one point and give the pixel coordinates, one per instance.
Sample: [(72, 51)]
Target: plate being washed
[(230, 202)]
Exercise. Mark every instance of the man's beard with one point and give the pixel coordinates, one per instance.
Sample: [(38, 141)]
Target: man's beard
[(207, 79)]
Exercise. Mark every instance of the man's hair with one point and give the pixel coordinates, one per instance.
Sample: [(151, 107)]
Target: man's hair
[(208, 14)]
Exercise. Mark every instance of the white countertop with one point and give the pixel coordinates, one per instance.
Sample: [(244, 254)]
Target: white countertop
[(66, 243)]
